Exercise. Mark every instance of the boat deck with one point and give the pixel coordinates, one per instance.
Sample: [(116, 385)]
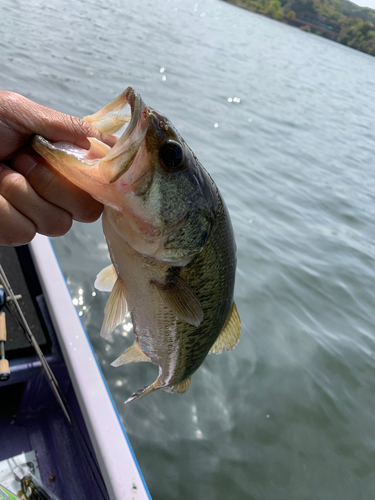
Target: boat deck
[(30, 417)]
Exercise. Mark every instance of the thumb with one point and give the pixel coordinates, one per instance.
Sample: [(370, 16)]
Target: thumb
[(62, 127)]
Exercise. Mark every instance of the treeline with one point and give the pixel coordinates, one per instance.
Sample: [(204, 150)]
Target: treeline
[(340, 20)]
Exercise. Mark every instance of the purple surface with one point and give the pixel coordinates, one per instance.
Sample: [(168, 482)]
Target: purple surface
[(31, 419)]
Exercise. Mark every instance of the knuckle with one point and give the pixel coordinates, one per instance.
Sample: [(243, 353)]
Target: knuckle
[(13, 183), (8, 98), (79, 127), (41, 178)]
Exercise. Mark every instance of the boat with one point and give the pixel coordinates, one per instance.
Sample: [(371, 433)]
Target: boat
[(73, 432)]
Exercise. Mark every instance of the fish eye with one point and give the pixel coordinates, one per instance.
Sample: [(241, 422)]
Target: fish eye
[(171, 155)]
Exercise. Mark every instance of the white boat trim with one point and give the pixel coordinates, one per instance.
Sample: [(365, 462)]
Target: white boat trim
[(113, 450)]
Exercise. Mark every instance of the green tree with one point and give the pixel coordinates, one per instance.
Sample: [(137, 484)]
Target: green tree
[(261, 6), (275, 10), (358, 34), (352, 25)]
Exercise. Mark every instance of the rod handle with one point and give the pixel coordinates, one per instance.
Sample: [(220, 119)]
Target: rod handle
[(4, 364), (3, 327), (4, 370)]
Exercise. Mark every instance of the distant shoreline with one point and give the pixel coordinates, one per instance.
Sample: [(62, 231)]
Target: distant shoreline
[(343, 22)]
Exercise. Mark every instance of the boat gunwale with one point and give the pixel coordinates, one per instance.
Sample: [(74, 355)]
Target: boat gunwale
[(119, 466)]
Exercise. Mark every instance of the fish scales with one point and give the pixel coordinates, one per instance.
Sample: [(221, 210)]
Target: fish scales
[(212, 276), (209, 274), (169, 236)]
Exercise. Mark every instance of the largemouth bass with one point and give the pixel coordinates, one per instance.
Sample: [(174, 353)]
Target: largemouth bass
[(169, 236)]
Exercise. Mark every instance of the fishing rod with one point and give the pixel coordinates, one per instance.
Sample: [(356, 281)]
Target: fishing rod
[(56, 389), (30, 337), (4, 363)]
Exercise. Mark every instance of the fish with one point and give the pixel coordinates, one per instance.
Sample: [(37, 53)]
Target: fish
[(169, 236)]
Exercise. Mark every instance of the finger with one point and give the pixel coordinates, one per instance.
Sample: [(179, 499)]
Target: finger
[(54, 188), (24, 117), (47, 217), (15, 228), (56, 126)]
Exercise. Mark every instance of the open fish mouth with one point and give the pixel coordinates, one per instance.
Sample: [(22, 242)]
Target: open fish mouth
[(119, 116), (125, 117)]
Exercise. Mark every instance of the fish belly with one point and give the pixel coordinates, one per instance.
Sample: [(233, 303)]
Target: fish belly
[(154, 323)]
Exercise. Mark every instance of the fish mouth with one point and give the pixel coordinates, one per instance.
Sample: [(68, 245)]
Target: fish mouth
[(125, 117), (135, 102), (118, 116)]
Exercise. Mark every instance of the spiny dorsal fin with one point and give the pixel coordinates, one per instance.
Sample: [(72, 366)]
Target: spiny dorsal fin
[(106, 279), (115, 309), (133, 354), (230, 334), (180, 297), (179, 388)]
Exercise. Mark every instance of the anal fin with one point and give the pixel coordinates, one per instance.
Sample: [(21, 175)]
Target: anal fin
[(115, 309), (230, 334), (133, 354), (179, 388)]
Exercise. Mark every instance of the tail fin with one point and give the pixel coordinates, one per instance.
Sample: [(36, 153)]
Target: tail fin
[(145, 390)]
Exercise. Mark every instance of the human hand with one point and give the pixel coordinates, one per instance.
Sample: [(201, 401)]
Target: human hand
[(34, 198)]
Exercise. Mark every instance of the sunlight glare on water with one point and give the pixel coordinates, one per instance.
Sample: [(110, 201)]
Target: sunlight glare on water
[(283, 121)]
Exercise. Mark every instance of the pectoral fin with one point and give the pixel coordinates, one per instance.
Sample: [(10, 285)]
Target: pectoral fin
[(133, 354), (230, 334), (106, 279), (115, 309), (180, 297)]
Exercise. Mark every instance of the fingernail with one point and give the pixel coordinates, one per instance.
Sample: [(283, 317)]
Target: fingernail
[(24, 163)]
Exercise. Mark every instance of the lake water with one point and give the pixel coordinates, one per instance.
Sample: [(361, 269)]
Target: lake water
[(290, 413)]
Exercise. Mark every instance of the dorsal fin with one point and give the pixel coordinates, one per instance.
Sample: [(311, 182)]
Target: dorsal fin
[(230, 334), (133, 354), (106, 279), (180, 297), (115, 309)]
